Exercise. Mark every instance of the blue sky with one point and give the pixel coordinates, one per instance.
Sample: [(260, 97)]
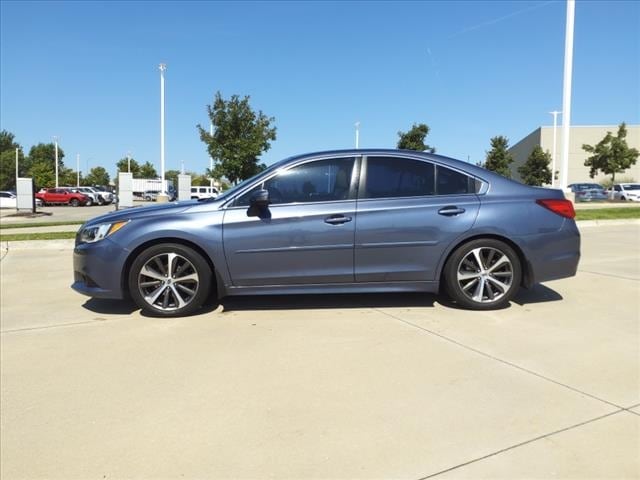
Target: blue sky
[(88, 72)]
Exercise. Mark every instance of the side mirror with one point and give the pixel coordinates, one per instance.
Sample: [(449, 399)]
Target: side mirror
[(258, 203)]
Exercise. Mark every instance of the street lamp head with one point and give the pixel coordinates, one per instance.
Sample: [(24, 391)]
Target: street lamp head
[(163, 67)]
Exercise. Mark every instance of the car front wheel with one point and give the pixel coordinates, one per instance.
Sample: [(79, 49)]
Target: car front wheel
[(170, 280), (74, 202), (483, 274)]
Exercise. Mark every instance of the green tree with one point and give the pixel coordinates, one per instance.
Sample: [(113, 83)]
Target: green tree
[(8, 147), (147, 170), (611, 155), (43, 175), (173, 176), (240, 137), (498, 158), (97, 176), (45, 153), (200, 180), (414, 139), (535, 170), (123, 165), (67, 177)]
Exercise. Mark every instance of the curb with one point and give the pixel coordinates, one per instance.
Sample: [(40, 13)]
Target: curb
[(607, 223)]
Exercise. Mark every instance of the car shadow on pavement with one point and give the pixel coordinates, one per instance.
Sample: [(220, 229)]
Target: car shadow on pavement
[(108, 306), (327, 301), (537, 294)]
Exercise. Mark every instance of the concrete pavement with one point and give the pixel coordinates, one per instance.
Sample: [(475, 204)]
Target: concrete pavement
[(355, 386)]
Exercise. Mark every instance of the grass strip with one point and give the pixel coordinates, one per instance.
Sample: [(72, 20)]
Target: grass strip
[(7, 226), (608, 213), (16, 237)]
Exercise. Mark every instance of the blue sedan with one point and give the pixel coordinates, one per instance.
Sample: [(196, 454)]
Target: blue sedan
[(336, 222)]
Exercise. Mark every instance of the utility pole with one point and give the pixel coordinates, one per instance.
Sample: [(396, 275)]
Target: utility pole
[(357, 125), (128, 162), (163, 67), (77, 169), (210, 157), (566, 93), (56, 140)]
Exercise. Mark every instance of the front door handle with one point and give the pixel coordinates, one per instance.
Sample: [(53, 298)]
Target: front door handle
[(451, 211), (337, 219)]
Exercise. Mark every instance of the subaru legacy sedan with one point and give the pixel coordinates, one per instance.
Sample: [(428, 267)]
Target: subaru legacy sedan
[(336, 222)]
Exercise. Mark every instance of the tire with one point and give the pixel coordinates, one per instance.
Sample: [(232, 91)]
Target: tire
[(100, 200), (624, 199), (74, 202), (158, 281), (89, 202), (480, 286)]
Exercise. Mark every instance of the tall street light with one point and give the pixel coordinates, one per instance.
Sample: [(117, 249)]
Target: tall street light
[(566, 93), (77, 169), (163, 67), (357, 125), (553, 158), (55, 139), (210, 157)]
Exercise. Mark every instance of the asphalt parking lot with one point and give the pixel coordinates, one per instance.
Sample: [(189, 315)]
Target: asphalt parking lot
[(357, 386)]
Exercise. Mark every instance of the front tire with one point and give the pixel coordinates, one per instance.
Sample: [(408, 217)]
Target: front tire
[(483, 274), (74, 202), (169, 280)]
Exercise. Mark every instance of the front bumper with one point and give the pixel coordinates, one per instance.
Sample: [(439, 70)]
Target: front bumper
[(98, 269)]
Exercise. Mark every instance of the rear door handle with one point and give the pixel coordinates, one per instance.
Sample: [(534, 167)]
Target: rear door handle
[(337, 219), (451, 211)]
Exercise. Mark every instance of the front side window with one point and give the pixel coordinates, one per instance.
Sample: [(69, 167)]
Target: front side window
[(317, 181), (398, 177)]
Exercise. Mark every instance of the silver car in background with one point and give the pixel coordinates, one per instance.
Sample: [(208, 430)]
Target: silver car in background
[(336, 222)]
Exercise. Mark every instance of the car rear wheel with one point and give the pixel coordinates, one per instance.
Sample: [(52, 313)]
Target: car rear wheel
[(170, 280), (100, 200), (483, 274), (89, 202), (74, 202)]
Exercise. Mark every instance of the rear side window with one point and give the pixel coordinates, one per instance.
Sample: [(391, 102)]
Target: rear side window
[(450, 182), (398, 177)]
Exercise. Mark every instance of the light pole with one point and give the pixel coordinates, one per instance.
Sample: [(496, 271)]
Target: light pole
[(210, 157), (553, 157), (566, 93), (55, 139), (357, 125), (128, 162), (77, 169), (163, 67), (17, 154)]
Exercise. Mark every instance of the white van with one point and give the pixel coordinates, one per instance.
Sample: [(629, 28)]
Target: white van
[(203, 192)]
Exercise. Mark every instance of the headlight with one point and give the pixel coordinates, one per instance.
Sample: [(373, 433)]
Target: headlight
[(95, 233)]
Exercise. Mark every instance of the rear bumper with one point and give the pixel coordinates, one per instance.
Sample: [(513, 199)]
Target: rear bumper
[(551, 256)]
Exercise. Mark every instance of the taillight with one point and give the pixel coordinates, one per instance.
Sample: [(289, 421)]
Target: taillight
[(563, 207)]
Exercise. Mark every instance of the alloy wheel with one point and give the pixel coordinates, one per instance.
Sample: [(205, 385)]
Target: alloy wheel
[(168, 281), (485, 275)]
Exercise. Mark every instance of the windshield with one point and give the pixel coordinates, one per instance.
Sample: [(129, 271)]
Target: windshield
[(631, 186)]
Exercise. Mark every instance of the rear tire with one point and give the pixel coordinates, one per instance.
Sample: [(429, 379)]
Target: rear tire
[(170, 280), (74, 202), (483, 274), (89, 203)]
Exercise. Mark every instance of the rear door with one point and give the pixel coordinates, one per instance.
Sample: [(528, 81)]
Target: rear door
[(408, 212)]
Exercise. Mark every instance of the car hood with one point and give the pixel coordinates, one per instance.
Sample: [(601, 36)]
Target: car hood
[(142, 212)]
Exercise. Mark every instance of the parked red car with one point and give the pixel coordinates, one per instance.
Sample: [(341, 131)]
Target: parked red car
[(62, 196)]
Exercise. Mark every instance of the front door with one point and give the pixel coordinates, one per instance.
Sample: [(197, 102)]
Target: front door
[(306, 236)]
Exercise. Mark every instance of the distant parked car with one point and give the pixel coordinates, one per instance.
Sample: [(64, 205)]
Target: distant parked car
[(151, 195), (203, 192), (62, 196), (625, 191), (336, 222), (8, 200), (588, 192), (99, 196)]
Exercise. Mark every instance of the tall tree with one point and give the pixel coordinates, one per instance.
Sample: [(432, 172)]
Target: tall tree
[(45, 153), (97, 176), (147, 170), (611, 155), (498, 158), (173, 176), (535, 170), (43, 175), (123, 166), (241, 135), (414, 139), (8, 147)]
